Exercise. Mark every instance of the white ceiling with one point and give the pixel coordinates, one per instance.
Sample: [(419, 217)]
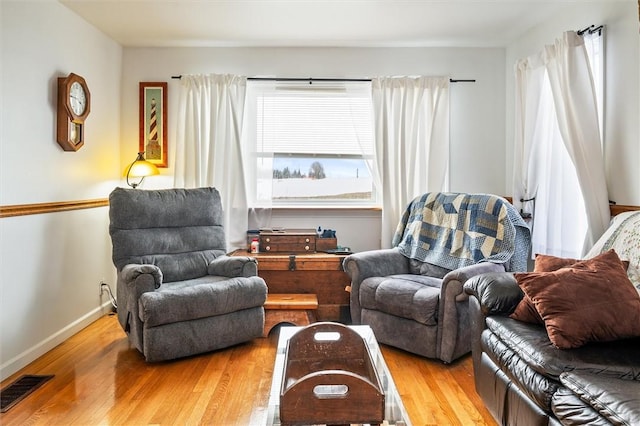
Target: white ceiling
[(316, 23)]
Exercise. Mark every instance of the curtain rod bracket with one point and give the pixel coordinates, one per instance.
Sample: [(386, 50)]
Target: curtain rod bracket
[(591, 29)]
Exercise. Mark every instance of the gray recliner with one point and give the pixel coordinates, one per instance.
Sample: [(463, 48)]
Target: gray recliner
[(412, 294), (178, 293)]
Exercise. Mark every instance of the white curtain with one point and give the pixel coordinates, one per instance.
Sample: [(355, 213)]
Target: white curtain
[(208, 145), (575, 100), (411, 116), (558, 154), (529, 111)]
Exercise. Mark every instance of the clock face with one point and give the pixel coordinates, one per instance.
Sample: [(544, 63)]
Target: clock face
[(77, 98)]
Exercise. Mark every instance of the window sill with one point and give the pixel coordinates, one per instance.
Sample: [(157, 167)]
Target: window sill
[(322, 207)]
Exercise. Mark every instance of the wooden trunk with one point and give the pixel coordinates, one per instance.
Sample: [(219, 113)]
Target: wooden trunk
[(310, 273)]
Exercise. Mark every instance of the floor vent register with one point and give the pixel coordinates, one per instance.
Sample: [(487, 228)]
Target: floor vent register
[(19, 389)]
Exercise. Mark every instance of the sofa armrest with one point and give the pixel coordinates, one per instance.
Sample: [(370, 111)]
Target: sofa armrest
[(497, 293), (233, 266), (372, 263), (453, 308), (462, 275)]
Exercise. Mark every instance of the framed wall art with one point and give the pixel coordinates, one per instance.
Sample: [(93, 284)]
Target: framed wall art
[(153, 122)]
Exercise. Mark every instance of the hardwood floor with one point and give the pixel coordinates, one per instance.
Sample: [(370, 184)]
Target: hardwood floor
[(100, 379)]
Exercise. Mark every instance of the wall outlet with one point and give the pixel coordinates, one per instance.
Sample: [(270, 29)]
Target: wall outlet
[(101, 285), (104, 288)]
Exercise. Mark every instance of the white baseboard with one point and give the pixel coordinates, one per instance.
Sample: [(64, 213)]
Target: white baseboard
[(16, 363)]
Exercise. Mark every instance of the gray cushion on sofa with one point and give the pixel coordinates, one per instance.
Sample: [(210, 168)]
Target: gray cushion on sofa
[(195, 299), (425, 268), (406, 296)]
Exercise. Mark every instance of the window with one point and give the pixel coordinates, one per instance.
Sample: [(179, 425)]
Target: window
[(309, 144)]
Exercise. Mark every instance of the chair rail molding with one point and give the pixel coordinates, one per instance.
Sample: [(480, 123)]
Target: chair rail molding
[(52, 207), (59, 206)]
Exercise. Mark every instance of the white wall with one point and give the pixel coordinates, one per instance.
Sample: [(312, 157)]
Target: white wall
[(477, 109), (621, 132), (51, 264)]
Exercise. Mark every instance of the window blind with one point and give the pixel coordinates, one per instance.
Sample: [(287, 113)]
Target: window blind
[(333, 119)]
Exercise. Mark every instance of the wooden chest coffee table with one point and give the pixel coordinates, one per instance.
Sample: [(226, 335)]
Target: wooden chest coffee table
[(308, 273)]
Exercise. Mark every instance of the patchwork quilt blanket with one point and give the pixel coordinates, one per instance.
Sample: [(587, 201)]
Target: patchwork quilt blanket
[(453, 230)]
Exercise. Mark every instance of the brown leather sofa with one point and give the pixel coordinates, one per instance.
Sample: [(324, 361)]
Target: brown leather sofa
[(524, 379), (523, 376)]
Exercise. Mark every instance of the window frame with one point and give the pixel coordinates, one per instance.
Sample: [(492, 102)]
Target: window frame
[(261, 157)]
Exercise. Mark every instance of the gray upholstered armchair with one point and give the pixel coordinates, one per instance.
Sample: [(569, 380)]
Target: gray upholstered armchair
[(178, 293), (412, 294)]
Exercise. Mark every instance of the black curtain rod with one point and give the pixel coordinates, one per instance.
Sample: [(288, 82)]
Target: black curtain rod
[(307, 79), (310, 80)]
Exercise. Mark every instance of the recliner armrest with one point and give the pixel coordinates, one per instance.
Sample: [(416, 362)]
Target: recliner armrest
[(134, 280), (233, 266), (372, 263), (375, 263), (131, 272), (497, 293)]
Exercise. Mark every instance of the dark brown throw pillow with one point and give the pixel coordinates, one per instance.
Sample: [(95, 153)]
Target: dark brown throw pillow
[(590, 301), (548, 263), (526, 311)]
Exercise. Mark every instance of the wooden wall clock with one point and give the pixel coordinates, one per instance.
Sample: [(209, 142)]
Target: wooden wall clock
[(74, 104)]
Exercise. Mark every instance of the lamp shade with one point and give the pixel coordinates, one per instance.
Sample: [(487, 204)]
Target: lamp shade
[(140, 168)]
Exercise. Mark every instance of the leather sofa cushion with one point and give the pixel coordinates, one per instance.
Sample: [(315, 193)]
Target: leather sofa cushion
[(530, 342), (540, 388), (615, 399), (200, 298), (413, 297), (569, 409), (525, 354)]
